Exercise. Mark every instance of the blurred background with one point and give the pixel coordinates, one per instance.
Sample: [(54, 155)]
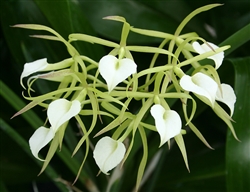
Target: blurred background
[(226, 168)]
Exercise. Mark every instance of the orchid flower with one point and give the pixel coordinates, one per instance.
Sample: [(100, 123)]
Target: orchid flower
[(206, 47), (108, 153), (167, 122), (32, 67), (59, 112), (227, 96), (114, 70), (43, 65), (200, 84)]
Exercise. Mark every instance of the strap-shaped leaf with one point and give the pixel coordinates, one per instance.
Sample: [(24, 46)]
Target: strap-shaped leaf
[(238, 153)]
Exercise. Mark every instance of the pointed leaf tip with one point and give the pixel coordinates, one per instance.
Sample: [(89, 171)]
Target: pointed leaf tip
[(115, 18)]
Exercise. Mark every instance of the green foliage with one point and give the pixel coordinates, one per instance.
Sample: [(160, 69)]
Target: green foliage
[(224, 168), (237, 153)]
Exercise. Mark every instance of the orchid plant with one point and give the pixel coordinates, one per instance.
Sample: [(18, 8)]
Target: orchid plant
[(107, 88)]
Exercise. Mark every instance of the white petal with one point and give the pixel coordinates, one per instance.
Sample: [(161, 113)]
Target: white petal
[(227, 96), (41, 137), (114, 71), (200, 84), (108, 153), (62, 110), (218, 58), (167, 122), (33, 67)]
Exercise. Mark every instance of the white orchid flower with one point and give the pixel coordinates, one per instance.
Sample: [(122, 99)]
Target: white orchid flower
[(167, 122), (200, 84), (59, 112), (32, 67), (114, 70), (206, 47), (227, 96), (108, 153)]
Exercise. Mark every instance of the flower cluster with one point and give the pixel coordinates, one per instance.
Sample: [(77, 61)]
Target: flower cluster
[(115, 84)]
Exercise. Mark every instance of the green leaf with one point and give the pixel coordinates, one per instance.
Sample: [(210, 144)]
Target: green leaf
[(238, 153), (170, 11), (2, 187), (66, 17), (237, 39), (135, 13), (207, 168), (18, 39), (35, 122), (24, 145), (17, 103)]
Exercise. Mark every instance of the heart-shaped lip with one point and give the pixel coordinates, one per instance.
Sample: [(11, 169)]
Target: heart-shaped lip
[(167, 122), (108, 153), (114, 70)]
